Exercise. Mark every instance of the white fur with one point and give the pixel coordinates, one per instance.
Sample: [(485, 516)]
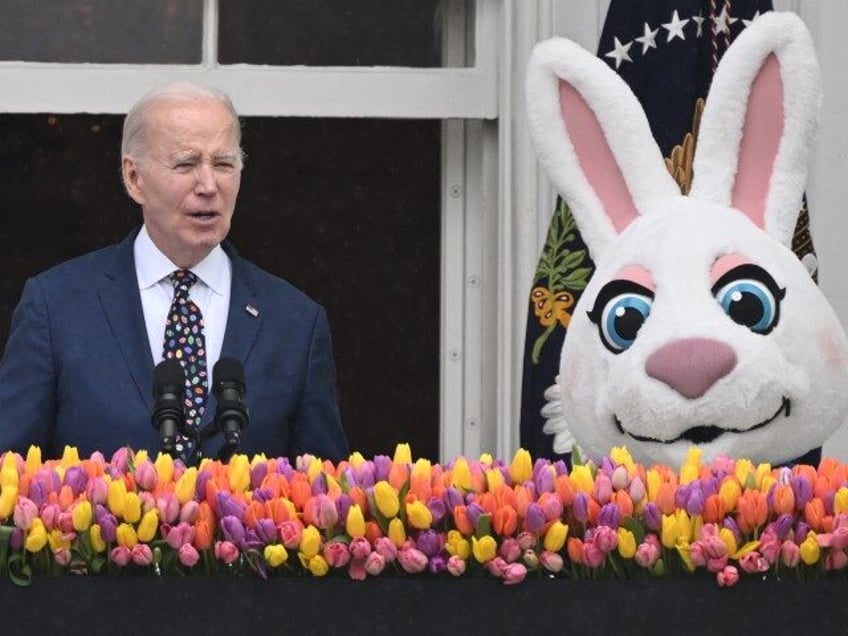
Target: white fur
[(678, 240)]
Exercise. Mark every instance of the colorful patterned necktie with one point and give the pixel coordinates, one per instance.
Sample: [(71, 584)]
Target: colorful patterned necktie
[(184, 340)]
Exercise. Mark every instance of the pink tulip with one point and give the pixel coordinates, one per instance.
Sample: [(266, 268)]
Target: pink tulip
[(188, 555), (647, 554), (603, 489), (514, 573), (386, 549), (142, 554), (169, 507), (291, 532), (836, 560), (50, 516), (226, 551), (96, 491), (178, 535), (412, 560), (145, 475), (593, 556), (790, 554), (769, 545), (360, 548), (121, 556), (551, 561), (753, 562), (375, 563), (321, 511), (66, 522), (496, 566), (357, 570), (62, 556), (620, 478), (456, 565), (189, 511), (148, 501), (25, 512), (728, 577), (336, 553), (509, 550), (606, 539)]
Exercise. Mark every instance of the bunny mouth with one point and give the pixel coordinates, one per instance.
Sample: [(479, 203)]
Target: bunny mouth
[(706, 434)]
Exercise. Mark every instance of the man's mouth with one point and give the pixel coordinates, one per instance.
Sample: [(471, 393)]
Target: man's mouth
[(203, 215), (706, 434)]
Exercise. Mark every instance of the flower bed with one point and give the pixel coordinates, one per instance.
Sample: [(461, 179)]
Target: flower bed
[(728, 520)]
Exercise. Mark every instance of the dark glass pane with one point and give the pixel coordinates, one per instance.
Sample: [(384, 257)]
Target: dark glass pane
[(331, 32), (102, 31), (346, 209)]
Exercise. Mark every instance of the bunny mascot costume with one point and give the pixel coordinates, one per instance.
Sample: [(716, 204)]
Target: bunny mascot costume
[(699, 325)]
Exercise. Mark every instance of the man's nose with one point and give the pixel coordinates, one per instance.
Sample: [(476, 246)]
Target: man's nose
[(206, 181)]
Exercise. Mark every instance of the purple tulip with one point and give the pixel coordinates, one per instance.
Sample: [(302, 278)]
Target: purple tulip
[(76, 478), (343, 506), (580, 507), (382, 467), (319, 485), (534, 518), (430, 543), (609, 515), (262, 494), (801, 531), (16, 540), (695, 502), (652, 516), (681, 495), (229, 506), (437, 564), (365, 475), (38, 492), (108, 527), (607, 466), (233, 529), (454, 498), (437, 508), (544, 481), (257, 474), (560, 467), (348, 478), (474, 511), (266, 530), (202, 478), (803, 491)]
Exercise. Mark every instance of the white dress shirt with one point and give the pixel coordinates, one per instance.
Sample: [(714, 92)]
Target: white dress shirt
[(211, 293)]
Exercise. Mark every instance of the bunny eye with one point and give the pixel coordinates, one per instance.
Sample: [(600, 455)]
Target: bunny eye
[(620, 310), (750, 297)]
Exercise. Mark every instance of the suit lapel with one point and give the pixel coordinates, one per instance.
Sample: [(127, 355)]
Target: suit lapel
[(245, 316), (121, 303)]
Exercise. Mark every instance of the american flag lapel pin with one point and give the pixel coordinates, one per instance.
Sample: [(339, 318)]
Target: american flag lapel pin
[(253, 311)]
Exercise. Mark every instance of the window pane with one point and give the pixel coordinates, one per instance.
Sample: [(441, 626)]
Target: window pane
[(102, 31), (346, 209), (332, 32)]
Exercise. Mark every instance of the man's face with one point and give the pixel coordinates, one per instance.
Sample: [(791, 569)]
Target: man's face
[(188, 178)]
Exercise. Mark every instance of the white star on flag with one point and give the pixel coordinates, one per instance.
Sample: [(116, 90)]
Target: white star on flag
[(747, 23), (675, 27), (699, 20), (723, 21), (649, 39), (620, 53)]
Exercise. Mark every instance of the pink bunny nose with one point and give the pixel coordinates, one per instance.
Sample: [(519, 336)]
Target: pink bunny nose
[(692, 365)]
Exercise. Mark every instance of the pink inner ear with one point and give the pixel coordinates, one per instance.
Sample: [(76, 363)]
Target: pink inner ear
[(760, 142), (596, 158)]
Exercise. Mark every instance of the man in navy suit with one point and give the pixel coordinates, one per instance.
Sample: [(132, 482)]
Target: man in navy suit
[(79, 363)]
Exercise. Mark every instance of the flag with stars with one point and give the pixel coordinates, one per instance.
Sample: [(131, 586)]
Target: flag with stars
[(667, 51)]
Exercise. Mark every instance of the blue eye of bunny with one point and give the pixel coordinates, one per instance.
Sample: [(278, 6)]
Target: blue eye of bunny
[(750, 297), (620, 310)]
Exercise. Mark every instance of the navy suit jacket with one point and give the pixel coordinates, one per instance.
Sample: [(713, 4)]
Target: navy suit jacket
[(77, 369)]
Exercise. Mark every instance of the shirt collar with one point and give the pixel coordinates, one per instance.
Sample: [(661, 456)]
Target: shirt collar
[(152, 266)]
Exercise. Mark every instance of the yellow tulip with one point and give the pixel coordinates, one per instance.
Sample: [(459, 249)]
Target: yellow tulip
[(275, 555), (356, 459), (8, 499), (555, 536), (691, 466), (8, 475), (239, 477), (581, 477), (419, 515), (403, 454), (132, 507), (81, 516), (494, 479), (486, 458), (521, 468), (318, 565), (484, 549), (58, 540), (726, 535), (386, 499), (810, 551), (683, 549), (653, 482), (96, 536), (148, 526), (458, 545), (310, 541), (116, 497), (355, 523), (762, 471), (140, 457), (461, 474), (125, 535), (685, 526), (70, 457), (33, 460), (184, 488), (164, 466), (620, 455), (422, 467), (766, 483), (36, 537), (397, 532), (626, 543), (314, 469), (840, 501), (729, 492), (670, 532)]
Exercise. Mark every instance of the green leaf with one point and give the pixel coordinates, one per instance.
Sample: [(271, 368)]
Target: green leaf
[(638, 530), (20, 573), (484, 526)]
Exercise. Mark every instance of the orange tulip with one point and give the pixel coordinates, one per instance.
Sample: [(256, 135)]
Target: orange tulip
[(372, 531), (753, 510), (565, 489), (505, 521), (714, 509), (665, 498), (419, 484), (204, 527), (398, 476), (621, 498), (358, 496), (814, 513), (784, 499), (574, 546), (300, 490), (461, 520)]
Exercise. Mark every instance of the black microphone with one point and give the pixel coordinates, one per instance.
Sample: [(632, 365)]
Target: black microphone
[(231, 415), (168, 415)]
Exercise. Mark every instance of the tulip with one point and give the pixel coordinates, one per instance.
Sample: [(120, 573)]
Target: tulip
[(355, 523), (626, 543), (291, 533), (141, 554), (551, 561), (145, 475), (188, 555), (96, 537), (81, 515), (126, 536), (555, 536), (456, 565), (505, 521), (239, 473), (25, 512), (840, 501), (647, 553), (484, 549), (728, 577), (8, 499), (581, 477), (509, 550), (403, 454), (437, 509), (592, 557), (397, 532), (419, 515), (121, 556), (574, 547), (36, 537), (185, 488), (386, 499), (375, 563), (514, 573), (457, 545), (226, 551), (531, 559), (412, 560), (336, 553), (783, 498), (534, 519), (148, 526), (521, 468), (96, 491), (753, 563), (809, 549), (164, 465), (310, 542)]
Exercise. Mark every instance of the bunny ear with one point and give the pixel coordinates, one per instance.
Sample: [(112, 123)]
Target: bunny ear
[(758, 124), (593, 138)]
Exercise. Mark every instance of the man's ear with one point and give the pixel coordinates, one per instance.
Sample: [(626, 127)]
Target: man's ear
[(132, 178)]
